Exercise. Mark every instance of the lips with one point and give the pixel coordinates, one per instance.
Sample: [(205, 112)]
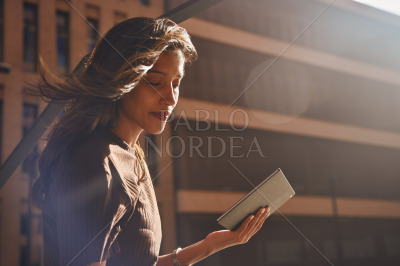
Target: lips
[(163, 115)]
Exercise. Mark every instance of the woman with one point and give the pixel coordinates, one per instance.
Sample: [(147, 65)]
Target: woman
[(97, 197)]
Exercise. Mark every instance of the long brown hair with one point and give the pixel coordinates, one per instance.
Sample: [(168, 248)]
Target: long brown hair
[(115, 66)]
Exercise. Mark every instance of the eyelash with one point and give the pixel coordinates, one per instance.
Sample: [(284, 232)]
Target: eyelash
[(156, 84)]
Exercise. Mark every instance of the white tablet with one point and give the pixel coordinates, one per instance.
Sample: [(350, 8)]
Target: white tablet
[(274, 191)]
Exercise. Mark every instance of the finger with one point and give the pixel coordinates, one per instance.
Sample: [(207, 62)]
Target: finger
[(249, 225), (261, 211), (262, 219), (257, 226), (265, 214), (259, 217), (245, 224), (260, 214)]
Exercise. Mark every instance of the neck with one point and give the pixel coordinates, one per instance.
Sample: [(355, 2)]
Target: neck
[(127, 134)]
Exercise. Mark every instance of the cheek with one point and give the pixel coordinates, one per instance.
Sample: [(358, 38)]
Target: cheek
[(128, 104)]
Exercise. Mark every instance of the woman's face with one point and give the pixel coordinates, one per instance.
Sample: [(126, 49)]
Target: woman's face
[(149, 104)]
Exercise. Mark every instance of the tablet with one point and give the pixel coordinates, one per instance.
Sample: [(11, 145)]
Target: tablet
[(274, 191)]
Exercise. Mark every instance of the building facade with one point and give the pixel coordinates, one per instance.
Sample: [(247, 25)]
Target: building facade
[(305, 86)]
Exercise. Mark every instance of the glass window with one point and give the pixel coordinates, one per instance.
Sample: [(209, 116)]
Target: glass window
[(24, 225), (92, 21), (62, 41), (93, 34), (392, 245), (359, 248), (364, 241), (1, 30), (1, 120), (29, 116), (145, 2), (30, 36), (24, 259), (30, 113), (202, 150), (283, 251)]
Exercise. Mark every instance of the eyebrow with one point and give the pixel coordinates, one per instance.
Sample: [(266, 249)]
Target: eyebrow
[(163, 73)]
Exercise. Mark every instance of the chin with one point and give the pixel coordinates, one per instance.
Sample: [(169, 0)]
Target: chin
[(155, 131)]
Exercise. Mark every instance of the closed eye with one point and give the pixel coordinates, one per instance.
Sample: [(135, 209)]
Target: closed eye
[(154, 84)]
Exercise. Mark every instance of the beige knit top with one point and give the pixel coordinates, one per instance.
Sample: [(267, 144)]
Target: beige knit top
[(88, 216)]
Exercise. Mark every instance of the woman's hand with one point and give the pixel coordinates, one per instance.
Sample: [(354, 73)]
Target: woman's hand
[(226, 238), (218, 240)]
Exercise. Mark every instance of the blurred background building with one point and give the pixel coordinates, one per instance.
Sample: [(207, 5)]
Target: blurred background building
[(302, 85)]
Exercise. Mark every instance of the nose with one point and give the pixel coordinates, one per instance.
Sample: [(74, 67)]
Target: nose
[(170, 95)]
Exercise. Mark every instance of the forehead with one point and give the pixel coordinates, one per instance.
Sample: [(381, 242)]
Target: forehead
[(171, 63)]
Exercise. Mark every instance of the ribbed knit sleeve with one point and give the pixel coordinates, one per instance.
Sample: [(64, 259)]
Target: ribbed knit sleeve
[(99, 209), (141, 237), (89, 207)]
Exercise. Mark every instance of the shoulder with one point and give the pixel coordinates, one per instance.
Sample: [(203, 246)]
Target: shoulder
[(96, 147), (87, 161), (86, 174), (93, 153)]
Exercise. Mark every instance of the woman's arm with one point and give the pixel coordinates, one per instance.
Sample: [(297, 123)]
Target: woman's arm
[(218, 240)]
